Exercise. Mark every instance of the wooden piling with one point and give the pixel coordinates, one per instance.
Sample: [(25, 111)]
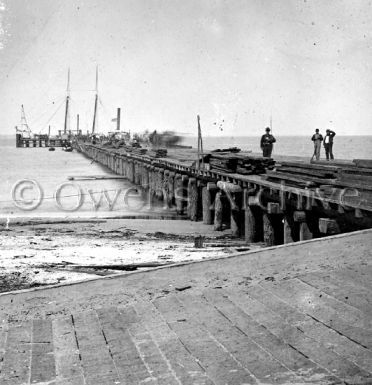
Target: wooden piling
[(166, 202), (208, 206), (137, 175), (268, 229), (192, 207), (328, 226), (185, 192), (178, 193), (249, 219), (171, 183), (305, 232), (288, 229), (218, 208), (145, 179)]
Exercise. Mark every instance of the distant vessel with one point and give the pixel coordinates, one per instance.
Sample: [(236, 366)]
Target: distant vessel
[(26, 138)]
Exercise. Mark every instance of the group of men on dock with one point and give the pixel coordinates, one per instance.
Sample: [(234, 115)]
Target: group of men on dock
[(317, 138), (268, 140)]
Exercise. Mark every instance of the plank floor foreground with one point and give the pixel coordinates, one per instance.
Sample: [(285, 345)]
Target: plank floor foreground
[(239, 320)]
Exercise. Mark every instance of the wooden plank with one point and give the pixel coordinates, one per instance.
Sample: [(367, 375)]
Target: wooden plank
[(314, 329), (307, 171), (68, 365), (322, 166), (335, 364), (342, 289), (357, 274), (357, 178), (303, 179), (332, 163), (128, 361), (3, 338), (283, 352), (16, 364), (185, 366), (322, 304), (367, 163), (220, 365), (97, 361), (42, 354), (344, 319), (258, 361)]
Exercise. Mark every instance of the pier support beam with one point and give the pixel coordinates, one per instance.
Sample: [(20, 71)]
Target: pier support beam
[(151, 188), (234, 195), (305, 232), (208, 194), (178, 193), (268, 230), (288, 229), (328, 226), (218, 209), (251, 222), (192, 207), (132, 172), (145, 179), (171, 179), (249, 225), (299, 216)]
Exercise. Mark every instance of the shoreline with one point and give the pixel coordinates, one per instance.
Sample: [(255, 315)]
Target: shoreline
[(46, 251)]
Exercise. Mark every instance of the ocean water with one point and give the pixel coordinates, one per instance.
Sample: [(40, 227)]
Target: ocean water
[(344, 147), (48, 171)]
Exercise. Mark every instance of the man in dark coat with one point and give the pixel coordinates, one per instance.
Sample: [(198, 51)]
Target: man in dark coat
[(328, 144), (317, 139), (267, 141)]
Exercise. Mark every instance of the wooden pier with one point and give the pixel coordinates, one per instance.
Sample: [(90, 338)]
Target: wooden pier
[(296, 201), (41, 141)]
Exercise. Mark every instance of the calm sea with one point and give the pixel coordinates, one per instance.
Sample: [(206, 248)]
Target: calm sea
[(344, 147), (51, 170)]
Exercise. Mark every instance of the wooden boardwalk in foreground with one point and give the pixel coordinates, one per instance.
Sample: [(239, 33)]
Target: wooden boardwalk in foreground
[(233, 321)]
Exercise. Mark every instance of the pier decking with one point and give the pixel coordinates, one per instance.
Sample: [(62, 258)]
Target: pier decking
[(292, 314), (275, 207)]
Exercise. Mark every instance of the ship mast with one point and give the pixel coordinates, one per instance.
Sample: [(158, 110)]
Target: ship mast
[(95, 104), (24, 125), (67, 102)]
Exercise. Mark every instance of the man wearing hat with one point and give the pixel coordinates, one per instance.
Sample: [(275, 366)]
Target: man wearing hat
[(328, 144), (317, 139), (267, 141)]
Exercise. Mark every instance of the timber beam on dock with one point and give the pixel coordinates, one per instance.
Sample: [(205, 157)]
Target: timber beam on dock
[(256, 207)]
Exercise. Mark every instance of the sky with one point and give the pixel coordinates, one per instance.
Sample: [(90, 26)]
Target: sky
[(236, 63)]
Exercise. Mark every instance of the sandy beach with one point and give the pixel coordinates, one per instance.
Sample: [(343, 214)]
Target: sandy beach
[(50, 251)]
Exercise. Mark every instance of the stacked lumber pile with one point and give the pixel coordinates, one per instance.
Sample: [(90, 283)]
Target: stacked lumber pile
[(363, 163), (254, 165), (230, 149), (359, 175), (224, 162), (138, 151), (239, 163), (302, 174), (158, 153), (340, 174)]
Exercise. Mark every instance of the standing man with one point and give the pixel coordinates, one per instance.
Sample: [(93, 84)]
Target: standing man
[(317, 139), (267, 141), (328, 144)]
